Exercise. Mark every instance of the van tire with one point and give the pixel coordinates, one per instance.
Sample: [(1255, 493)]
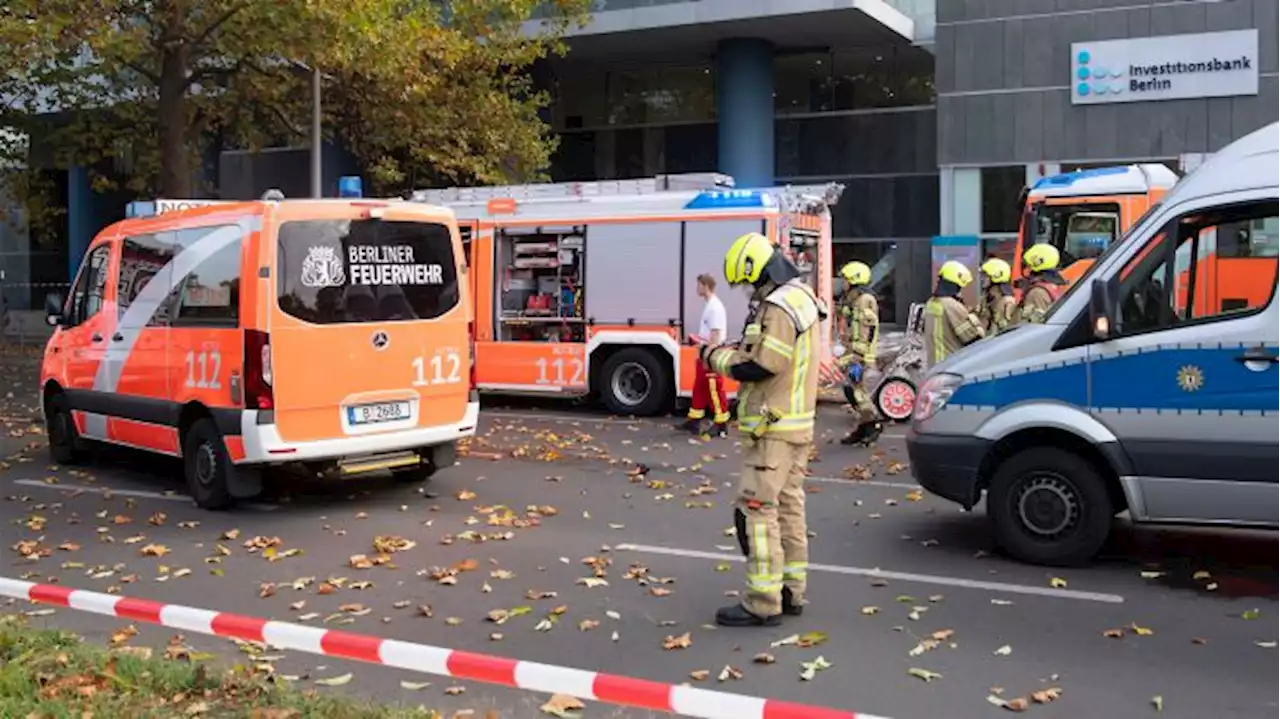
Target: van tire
[(1070, 522), (65, 445), (618, 383), (207, 468)]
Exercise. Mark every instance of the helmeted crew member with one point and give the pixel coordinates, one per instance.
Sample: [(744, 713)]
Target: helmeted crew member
[(707, 387), (777, 366), (948, 324), (999, 306), (1041, 281), (859, 314)]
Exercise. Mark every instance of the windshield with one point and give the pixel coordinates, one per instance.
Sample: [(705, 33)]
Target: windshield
[(353, 271), (1100, 260), (1080, 231)]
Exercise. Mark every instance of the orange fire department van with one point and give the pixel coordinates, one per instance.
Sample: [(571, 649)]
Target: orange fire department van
[(587, 288), (332, 335)]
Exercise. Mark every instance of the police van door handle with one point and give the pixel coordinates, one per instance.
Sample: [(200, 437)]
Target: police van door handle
[(1257, 356), (117, 337), (96, 337)]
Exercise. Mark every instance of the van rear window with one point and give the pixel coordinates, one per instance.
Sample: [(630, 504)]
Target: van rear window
[(352, 271)]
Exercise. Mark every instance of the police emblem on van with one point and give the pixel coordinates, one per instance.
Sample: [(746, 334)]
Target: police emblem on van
[(322, 267), (1190, 378), (380, 340)]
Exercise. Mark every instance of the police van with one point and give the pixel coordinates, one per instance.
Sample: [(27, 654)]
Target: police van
[(1137, 394), (332, 335)]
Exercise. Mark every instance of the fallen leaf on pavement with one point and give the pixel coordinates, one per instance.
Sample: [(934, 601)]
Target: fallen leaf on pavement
[(659, 591), (1019, 704), (587, 625), (593, 582), (729, 673), (1045, 696), (69, 546), (1151, 574), (1004, 651), (465, 495), (266, 589), (426, 610), (811, 639), (868, 611), (1201, 575), (684, 641), (154, 550), (924, 674), (764, 658), (1251, 614), (230, 535), (334, 681), (1140, 631), (1058, 583), (466, 565), (943, 635), (1113, 633), (810, 669), (1157, 701), (560, 705), (123, 635), (1265, 645), (502, 574), (414, 686), (699, 675), (158, 519), (453, 621), (454, 691)]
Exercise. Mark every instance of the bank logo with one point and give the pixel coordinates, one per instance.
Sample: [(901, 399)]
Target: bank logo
[(1094, 79)]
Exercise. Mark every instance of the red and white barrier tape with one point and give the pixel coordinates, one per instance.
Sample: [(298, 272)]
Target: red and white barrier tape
[(607, 688)]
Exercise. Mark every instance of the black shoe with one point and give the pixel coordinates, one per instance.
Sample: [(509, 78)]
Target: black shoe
[(738, 616), (789, 607), (856, 436), (692, 426), (873, 433), (866, 433), (719, 429)]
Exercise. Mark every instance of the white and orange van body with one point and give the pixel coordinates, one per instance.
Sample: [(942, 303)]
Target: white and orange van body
[(636, 248), (330, 334)]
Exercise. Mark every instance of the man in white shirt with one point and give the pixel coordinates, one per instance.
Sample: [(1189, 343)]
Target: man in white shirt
[(708, 389)]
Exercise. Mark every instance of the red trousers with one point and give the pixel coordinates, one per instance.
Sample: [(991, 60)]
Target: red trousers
[(708, 389)]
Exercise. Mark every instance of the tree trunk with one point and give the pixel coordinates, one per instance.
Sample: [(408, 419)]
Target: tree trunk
[(175, 166)]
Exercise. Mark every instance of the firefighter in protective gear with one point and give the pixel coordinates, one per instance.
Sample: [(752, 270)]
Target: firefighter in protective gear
[(776, 365), (999, 306), (948, 324), (1042, 283), (859, 314)]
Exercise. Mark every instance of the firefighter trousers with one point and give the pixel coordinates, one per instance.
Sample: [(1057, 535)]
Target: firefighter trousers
[(776, 540), (864, 409), (708, 390)]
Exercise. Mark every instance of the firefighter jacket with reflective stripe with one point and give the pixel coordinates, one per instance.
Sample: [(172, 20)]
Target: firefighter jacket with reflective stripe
[(948, 326), (861, 313), (998, 311), (783, 337), (1036, 302)]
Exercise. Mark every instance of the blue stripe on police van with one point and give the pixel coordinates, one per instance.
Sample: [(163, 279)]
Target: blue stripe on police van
[(1146, 379)]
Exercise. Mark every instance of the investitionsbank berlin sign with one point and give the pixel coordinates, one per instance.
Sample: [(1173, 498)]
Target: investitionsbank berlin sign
[(1171, 67)]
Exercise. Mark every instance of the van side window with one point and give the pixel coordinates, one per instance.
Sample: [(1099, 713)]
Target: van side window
[(209, 296), (142, 259), (1206, 265), (86, 299)]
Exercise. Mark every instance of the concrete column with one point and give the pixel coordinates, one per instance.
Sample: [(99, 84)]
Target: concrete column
[(744, 110), (80, 228)]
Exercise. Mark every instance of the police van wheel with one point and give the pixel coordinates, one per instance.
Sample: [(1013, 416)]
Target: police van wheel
[(895, 398), (206, 466), (633, 381), (65, 445), (1048, 506)]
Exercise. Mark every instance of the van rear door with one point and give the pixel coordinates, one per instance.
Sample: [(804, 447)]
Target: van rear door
[(369, 329)]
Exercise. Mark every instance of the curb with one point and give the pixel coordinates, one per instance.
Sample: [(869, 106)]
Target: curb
[(681, 700)]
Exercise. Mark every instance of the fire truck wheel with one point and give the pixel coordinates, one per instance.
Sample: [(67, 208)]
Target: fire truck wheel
[(633, 381)]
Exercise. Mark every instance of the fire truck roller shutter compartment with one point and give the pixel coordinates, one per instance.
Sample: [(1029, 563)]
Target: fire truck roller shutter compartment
[(633, 284)]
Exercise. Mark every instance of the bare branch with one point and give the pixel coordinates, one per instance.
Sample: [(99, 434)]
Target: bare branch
[(284, 120), (154, 77)]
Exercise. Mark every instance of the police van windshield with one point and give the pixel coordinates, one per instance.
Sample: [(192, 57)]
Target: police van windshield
[(1100, 260), (355, 271)]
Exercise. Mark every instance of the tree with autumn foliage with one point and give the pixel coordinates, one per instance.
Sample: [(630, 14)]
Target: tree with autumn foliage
[(418, 90)]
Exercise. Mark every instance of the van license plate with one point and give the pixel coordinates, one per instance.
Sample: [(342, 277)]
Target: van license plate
[(380, 412)]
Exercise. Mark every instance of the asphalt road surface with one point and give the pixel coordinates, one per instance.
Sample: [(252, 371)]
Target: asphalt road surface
[(1189, 616)]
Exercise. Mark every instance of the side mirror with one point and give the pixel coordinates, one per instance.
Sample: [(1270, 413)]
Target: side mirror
[(1102, 315), (53, 309)]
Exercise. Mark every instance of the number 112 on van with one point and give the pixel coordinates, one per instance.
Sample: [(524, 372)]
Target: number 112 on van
[(441, 368)]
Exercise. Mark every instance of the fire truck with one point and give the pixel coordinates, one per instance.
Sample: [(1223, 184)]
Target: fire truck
[(588, 288)]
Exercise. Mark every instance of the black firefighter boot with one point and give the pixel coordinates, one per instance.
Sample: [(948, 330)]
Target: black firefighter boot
[(692, 426), (738, 616), (866, 433), (789, 605)]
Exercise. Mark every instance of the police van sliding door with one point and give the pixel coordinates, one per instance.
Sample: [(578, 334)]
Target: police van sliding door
[(1189, 385)]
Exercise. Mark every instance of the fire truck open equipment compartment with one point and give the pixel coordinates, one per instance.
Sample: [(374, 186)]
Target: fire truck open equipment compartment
[(588, 288)]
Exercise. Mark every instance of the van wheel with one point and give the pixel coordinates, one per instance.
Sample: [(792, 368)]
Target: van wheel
[(1048, 506), (206, 466), (895, 398), (65, 445), (633, 381)]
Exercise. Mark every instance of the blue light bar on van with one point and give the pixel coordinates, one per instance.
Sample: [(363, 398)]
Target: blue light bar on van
[(350, 186), (730, 199), (1067, 179)]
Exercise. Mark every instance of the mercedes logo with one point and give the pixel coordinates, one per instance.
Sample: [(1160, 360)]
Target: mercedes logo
[(380, 340)]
